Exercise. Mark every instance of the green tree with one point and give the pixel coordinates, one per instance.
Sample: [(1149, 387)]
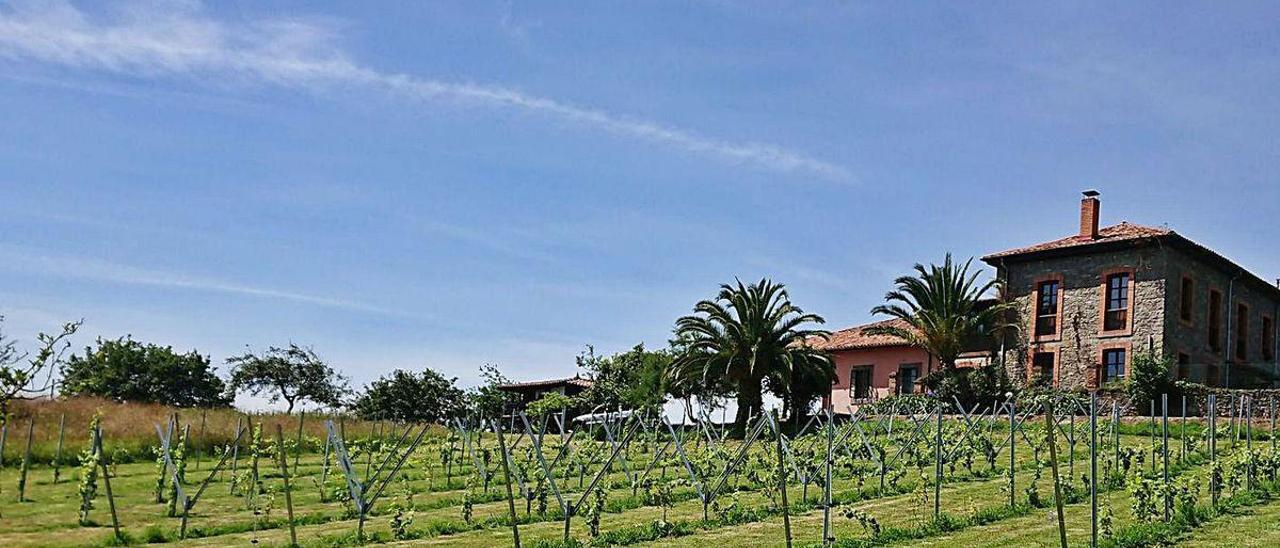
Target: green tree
[(292, 374), (487, 399), (747, 334), (129, 371), (1149, 378), (635, 379), (551, 403), (20, 372), (801, 385), (945, 310), (406, 396)]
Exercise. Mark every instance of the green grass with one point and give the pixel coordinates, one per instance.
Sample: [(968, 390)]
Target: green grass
[(974, 505)]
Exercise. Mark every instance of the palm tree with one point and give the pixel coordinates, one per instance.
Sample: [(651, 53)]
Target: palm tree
[(945, 310), (746, 334)]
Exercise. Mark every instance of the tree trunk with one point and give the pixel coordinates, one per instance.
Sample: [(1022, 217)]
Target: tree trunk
[(289, 411), (749, 404)]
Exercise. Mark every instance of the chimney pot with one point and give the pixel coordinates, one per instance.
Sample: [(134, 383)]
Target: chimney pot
[(1090, 207)]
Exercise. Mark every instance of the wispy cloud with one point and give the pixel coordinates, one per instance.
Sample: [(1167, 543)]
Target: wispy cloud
[(179, 39), (105, 271)]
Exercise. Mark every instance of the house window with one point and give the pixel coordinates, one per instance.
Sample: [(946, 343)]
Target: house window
[(1042, 368), (1268, 338), (1187, 299), (1242, 332), (860, 381), (1113, 364), (1184, 366), (1215, 320), (1047, 308), (1117, 311), (907, 377)]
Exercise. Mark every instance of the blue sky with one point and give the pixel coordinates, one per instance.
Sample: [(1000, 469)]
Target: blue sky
[(448, 184)]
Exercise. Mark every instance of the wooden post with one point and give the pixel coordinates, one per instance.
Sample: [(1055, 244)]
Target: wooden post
[(1053, 459), (506, 474), (106, 482), (202, 443), (297, 449), (235, 453), (4, 435), (284, 474), (57, 457), (26, 461)]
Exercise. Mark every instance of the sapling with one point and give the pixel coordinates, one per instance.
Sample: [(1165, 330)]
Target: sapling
[(1143, 494), (658, 493), (595, 510), (402, 517), (468, 501), (179, 460), (90, 461), (867, 521), (162, 466), (1106, 522), (256, 451)]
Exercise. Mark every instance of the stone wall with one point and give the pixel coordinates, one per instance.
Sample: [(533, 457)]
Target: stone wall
[(1079, 346), (1192, 337)]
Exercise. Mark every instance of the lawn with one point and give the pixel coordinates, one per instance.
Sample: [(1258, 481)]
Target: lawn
[(439, 497)]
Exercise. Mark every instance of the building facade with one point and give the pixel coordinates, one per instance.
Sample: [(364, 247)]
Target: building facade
[(870, 367), (1087, 303), (525, 393)]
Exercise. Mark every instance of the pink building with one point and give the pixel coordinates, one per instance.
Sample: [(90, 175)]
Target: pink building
[(870, 367)]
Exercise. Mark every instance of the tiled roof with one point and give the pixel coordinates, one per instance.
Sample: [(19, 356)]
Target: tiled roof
[(855, 338), (1122, 232), (575, 381)]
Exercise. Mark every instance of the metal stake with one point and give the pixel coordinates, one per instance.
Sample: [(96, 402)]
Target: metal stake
[(826, 488), (1164, 418), (1213, 446), (1093, 469), (1012, 451), (937, 467)]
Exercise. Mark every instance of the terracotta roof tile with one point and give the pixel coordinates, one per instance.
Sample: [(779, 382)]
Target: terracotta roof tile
[(578, 381), (1122, 232), (856, 337)]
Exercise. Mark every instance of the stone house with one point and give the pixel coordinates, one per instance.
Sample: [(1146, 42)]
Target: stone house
[(1088, 302), (525, 393)]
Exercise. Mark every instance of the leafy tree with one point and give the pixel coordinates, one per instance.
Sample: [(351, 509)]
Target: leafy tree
[(127, 370), (635, 379), (19, 371), (747, 334), (944, 309), (801, 385), (970, 385), (551, 403), (1149, 379), (292, 374), (421, 397), (684, 384), (487, 399)]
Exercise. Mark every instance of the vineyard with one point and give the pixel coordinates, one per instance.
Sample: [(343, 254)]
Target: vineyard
[(906, 471)]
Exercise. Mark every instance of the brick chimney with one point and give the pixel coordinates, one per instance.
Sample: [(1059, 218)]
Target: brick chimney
[(1089, 212)]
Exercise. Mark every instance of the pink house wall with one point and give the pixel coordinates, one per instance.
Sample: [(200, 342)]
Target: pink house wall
[(884, 362)]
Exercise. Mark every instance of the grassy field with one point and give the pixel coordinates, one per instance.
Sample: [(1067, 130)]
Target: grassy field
[(431, 503)]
